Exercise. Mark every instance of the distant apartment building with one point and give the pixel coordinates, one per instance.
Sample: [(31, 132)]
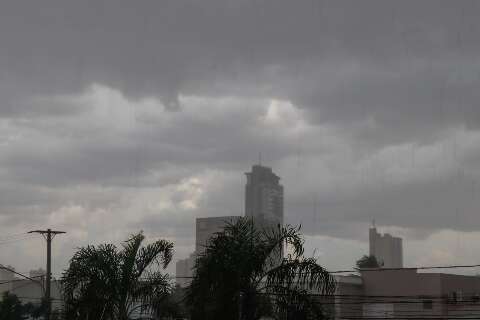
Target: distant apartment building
[(205, 228), (264, 196), (408, 294), (387, 249), (404, 294)]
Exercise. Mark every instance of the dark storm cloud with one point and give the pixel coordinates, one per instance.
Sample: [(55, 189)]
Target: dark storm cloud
[(127, 155), (409, 102), (162, 48), (87, 89)]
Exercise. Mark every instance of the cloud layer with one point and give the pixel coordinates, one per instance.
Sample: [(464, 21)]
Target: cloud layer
[(117, 117)]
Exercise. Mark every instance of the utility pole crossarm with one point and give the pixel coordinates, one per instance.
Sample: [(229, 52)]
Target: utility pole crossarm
[(48, 234), (48, 231)]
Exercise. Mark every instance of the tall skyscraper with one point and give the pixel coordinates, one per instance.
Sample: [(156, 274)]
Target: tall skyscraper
[(264, 196), (387, 249)]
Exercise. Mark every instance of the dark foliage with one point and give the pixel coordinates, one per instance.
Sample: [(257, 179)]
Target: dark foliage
[(11, 308), (243, 274), (105, 283), (367, 262)]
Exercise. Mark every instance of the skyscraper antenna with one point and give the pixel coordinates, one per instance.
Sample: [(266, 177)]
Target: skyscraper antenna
[(260, 158), (373, 223)]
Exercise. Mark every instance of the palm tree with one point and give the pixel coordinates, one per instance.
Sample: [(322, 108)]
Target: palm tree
[(242, 274), (105, 283)]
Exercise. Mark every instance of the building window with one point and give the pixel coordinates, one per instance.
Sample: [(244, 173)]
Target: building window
[(427, 304)]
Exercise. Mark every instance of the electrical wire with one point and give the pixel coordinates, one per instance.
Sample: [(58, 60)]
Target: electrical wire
[(20, 237), (19, 280), (385, 269)]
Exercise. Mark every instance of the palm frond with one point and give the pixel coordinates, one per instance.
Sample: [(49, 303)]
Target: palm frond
[(105, 283), (242, 263), (159, 253), (278, 237), (151, 289), (302, 274), (92, 278)]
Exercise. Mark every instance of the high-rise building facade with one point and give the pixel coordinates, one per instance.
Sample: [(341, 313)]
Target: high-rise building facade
[(387, 249), (264, 196), (263, 202)]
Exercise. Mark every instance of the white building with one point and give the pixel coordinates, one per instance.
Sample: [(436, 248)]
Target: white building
[(387, 249)]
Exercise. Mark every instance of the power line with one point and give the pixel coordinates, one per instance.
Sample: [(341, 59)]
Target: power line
[(13, 240), (407, 268), (20, 274), (12, 236), (19, 280), (383, 269)]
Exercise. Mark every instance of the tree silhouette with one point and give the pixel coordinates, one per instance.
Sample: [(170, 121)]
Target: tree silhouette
[(243, 274), (11, 307), (367, 262), (106, 283)]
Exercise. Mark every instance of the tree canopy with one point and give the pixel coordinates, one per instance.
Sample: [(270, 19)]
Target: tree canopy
[(242, 273), (367, 262), (103, 282), (11, 307)]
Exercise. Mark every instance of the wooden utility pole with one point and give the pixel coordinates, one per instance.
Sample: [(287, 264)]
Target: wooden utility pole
[(48, 234)]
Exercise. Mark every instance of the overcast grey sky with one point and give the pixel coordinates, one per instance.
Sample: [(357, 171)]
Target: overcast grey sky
[(119, 116)]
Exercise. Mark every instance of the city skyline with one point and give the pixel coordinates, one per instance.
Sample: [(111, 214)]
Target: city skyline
[(263, 198)]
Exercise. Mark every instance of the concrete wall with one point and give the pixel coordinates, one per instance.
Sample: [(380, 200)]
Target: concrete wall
[(348, 297)]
